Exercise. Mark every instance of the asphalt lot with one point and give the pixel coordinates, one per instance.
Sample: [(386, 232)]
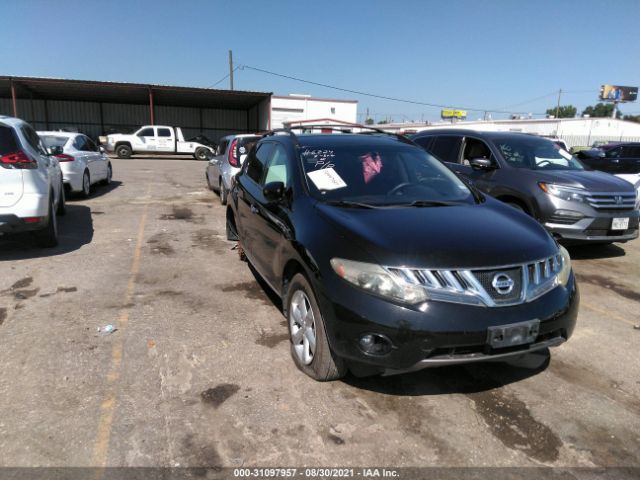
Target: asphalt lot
[(199, 373)]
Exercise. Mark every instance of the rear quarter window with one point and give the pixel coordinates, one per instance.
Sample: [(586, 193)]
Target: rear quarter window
[(8, 142)]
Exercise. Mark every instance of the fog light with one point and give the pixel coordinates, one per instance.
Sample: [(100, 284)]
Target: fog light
[(375, 344), (568, 213)]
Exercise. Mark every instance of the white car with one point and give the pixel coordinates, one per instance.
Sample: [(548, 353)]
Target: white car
[(31, 189), (83, 163)]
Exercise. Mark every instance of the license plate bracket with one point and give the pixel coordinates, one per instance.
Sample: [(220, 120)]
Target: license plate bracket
[(513, 334), (620, 223)]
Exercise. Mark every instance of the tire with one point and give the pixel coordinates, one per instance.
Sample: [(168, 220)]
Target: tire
[(107, 180), (48, 236), (319, 363), (232, 234), (86, 184), (223, 193), (62, 201), (201, 154), (517, 206), (123, 151), (209, 182)]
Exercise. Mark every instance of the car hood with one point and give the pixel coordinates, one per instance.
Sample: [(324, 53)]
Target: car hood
[(591, 180), (471, 236)]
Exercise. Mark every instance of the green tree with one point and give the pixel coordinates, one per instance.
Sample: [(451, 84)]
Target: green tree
[(382, 122), (565, 111), (601, 110), (632, 118), (368, 121)]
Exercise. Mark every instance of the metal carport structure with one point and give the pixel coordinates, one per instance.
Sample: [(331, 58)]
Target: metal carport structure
[(99, 108)]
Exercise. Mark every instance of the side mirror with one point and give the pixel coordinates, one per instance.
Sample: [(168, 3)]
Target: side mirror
[(481, 164), (101, 148), (273, 191), (55, 150)]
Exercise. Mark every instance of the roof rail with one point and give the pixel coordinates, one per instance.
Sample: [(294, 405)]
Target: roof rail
[(340, 127)]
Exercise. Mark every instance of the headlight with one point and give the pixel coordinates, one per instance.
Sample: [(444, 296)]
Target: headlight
[(375, 279), (564, 192), (565, 271)]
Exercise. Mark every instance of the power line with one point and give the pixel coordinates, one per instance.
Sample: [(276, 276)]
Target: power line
[(383, 97), (224, 78)]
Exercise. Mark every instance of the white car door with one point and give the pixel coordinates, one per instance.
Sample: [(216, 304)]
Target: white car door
[(147, 140), (99, 160), (84, 157), (165, 139)]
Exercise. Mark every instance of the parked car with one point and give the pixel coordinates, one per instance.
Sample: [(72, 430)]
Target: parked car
[(616, 158), (227, 161), (31, 190), (387, 262), (156, 139), (83, 163), (535, 176)]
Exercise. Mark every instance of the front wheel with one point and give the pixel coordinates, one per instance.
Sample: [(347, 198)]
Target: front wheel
[(309, 345), (123, 151), (62, 201)]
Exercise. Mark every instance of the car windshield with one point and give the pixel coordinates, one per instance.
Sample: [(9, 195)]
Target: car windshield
[(53, 141), (535, 154), (380, 175)]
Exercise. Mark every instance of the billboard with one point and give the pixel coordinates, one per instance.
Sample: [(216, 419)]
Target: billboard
[(616, 93), (450, 113)]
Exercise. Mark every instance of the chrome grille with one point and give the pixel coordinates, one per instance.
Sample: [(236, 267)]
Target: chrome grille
[(475, 287), (625, 200)]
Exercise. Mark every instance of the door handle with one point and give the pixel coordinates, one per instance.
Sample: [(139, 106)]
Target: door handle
[(253, 208), (615, 160)]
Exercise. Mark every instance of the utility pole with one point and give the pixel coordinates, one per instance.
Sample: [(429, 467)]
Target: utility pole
[(615, 109), (231, 69), (558, 107)]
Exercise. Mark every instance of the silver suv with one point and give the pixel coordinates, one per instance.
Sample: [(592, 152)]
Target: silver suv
[(230, 155), (31, 191)]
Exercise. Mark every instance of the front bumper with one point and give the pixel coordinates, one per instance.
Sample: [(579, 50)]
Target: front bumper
[(441, 333), (597, 229)]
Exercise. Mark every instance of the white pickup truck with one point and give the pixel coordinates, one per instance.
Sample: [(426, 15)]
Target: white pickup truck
[(156, 139)]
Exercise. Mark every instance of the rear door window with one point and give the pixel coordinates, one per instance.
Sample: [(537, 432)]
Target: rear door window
[(424, 142), (164, 132), (80, 144), (446, 148), (8, 143)]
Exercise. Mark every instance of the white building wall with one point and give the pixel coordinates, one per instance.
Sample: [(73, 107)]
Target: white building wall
[(294, 108)]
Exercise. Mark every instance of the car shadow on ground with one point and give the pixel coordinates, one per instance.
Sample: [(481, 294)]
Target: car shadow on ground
[(75, 229), (593, 252), (96, 191), (461, 379)]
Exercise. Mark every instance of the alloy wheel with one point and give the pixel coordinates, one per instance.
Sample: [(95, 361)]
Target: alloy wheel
[(302, 326)]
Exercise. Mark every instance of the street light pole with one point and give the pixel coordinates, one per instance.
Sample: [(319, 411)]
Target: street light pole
[(558, 106), (231, 69)]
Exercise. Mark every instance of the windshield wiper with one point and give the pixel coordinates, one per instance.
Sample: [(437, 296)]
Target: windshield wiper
[(349, 204), (427, 203)]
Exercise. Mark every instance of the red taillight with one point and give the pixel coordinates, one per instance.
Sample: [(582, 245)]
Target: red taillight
[(63, 157), (32, 219), (233, 154), (18, 160)]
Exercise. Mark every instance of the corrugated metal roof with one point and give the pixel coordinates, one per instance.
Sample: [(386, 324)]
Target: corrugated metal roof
[(122, 92)]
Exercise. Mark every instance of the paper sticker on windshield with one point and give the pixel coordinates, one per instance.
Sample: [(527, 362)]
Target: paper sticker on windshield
[(326, 179), (565, 154)]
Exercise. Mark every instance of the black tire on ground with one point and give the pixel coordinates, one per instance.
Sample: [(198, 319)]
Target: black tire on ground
[(223, 193), (86, 184), (107, 180), (232, 234), (62, 201), (206, 175), (48, 236), (201, 153), (325, 365), (123, 151)]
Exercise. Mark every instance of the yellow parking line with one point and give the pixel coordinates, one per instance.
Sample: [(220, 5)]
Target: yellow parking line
[(107, 408), (606, 313)]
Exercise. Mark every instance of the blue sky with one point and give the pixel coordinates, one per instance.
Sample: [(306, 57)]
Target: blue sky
[(497, 54)]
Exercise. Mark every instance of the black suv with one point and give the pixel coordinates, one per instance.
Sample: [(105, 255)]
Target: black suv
[(538, 177), (616, 158), (387, 262)]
